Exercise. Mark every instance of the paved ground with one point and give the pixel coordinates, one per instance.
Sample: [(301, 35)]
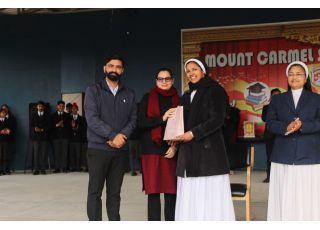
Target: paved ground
[(63, 197)]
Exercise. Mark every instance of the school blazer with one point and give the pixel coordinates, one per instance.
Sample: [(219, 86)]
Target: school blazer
[(302, 147)]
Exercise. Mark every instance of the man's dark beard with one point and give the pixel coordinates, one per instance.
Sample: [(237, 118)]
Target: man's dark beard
[(113, 76)]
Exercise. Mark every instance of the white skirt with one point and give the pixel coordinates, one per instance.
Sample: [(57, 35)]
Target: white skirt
[(294, 192), (204, 198)]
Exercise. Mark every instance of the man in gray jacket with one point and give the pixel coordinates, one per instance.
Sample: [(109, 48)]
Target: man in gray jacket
[(111, 114)]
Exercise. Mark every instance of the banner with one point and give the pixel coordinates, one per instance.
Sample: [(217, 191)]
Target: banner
[(250, 69)]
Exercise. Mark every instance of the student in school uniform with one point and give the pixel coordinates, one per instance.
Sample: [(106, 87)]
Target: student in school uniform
[(76, 139), (4, 142), (60, 133), (39, 135), (11, 137)]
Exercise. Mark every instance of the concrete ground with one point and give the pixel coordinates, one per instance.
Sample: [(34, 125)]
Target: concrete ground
[(63, 197)]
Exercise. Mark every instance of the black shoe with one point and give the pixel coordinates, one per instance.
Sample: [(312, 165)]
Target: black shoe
[(133, 173), (43, 172), (36, 172), (266, 180)]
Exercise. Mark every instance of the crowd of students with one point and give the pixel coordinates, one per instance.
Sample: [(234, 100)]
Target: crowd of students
[(65, 131)]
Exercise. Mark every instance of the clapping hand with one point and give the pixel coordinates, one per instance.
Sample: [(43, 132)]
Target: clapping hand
[(60, 124), (5, 131), (294, 126), (74, 125)]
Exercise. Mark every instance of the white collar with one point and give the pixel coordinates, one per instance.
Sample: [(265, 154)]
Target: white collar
[(192, 95), (296, 91), (115, 90)]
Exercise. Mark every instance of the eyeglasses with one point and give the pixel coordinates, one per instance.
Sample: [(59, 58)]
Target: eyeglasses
[(297, 74), (164, 79)]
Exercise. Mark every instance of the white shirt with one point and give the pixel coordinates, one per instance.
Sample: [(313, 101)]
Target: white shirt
[(115, 90), (40, 113), (296, 93), (75, 117), (60, 113), (192, 95)]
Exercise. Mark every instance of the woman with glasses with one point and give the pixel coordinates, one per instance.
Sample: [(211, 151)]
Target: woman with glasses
[(294, 117), (203, 190), (157, 156)]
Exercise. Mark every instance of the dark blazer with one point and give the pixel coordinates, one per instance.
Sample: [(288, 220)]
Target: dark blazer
[(42, 123), (12, 122), (5, 125), (205, 155), (78, 133), (267, 135), (60, 132), (301, 147)]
